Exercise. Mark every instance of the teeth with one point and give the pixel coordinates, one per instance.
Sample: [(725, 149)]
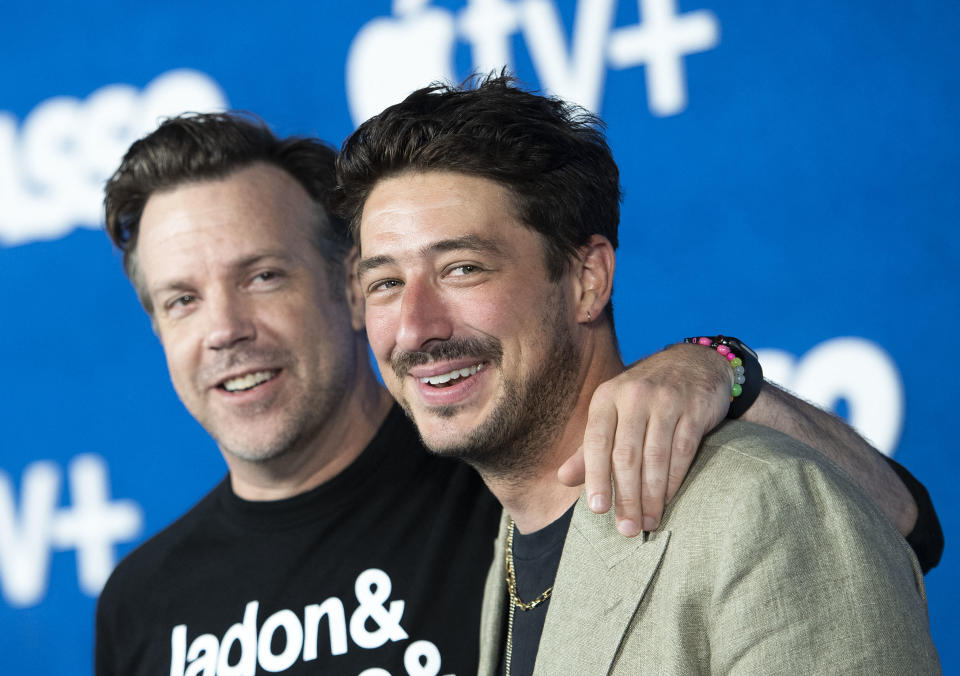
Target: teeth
[(247, 381), (452, 375)]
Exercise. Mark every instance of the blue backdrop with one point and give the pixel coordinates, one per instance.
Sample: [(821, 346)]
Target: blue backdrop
[(790, 172)]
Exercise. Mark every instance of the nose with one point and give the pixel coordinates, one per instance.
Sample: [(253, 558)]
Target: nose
[(230, 321), (424, 316)]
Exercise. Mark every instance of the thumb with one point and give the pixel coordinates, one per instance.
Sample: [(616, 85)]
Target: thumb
[(573, 472)]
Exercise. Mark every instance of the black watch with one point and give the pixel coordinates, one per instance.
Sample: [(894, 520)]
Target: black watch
[(752, 373)]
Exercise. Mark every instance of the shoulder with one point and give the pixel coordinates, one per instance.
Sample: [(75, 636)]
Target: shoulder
[(138, 589), (741, 459), (758, 448), (770, 556), (139, 569), (766, 517), (753, 489)]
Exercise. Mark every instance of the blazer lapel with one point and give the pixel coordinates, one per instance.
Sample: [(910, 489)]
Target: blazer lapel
[(494, 606), (600, 582)]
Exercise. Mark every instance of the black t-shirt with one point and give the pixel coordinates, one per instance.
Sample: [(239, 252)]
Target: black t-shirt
[(380, 568), (536, 558)]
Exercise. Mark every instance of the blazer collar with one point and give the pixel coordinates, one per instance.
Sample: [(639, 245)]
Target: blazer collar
[(601, 580), (494, 606)]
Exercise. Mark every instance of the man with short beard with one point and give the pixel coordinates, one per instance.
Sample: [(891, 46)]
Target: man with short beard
[(486, 221), (336, 544)]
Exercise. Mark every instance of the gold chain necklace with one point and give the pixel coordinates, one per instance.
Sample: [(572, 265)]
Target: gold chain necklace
[(515, 601)]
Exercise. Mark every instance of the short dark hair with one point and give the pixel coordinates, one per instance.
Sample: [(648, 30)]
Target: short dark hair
[(552, 157), (209, 146)]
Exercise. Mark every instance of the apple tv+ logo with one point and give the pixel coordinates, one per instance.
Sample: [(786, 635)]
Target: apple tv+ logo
[(392, 56)]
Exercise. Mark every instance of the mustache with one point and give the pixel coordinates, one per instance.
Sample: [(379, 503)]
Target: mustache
[(483, 349)]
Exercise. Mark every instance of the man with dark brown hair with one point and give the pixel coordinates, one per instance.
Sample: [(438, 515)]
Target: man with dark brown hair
[(486, 221)]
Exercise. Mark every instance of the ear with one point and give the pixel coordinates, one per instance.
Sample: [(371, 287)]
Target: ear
[(593, 278), (352, 290)]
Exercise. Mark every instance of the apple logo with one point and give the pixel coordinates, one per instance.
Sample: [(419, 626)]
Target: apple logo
[(392, 56)]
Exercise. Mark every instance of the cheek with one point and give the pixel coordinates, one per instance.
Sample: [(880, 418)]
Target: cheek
[(180, 363), (381, 324), (525, 325), (296, 320), (499, 315)]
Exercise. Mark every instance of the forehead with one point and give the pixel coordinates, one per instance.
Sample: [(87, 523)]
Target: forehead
[(413, 210), (257, 208)]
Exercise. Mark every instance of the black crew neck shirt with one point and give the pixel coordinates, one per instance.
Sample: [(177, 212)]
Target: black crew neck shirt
[(382, 567)]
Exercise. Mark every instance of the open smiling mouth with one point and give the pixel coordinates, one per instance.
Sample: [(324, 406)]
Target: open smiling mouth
[(450, 378), (248, 381)]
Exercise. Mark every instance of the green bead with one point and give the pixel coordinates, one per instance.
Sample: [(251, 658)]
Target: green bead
[(736, 361), (736, 390)]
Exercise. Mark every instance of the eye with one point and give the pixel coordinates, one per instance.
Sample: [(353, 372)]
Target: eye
[(182, 301), (180, 306), (463, 270), (384, 285), (266, 280)]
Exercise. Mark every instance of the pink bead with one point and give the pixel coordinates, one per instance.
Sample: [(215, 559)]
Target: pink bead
[(723, 349), (704, 341), (731, 356)]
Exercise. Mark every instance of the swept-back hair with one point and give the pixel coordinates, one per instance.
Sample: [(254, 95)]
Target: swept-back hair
[(209, 146)]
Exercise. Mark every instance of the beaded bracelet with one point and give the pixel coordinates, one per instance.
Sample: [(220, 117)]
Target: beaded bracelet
[(735, 362), (747, 372)]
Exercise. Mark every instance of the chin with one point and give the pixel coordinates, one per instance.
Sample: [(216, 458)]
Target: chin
[(446, 438), (253, 453), (437, 439), (449, 425), (459, 448), (255, 446)]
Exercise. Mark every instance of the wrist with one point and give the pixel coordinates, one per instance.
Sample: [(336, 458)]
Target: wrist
[(714, 367), (745, 372)]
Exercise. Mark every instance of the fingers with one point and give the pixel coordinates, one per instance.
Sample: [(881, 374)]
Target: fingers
[(598, 441), (573, 471), (686, 441), (644, 428), (629, 457), (627, 479), (657, 460)]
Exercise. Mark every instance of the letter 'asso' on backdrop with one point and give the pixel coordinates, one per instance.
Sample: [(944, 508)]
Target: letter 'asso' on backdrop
[(790, 175)]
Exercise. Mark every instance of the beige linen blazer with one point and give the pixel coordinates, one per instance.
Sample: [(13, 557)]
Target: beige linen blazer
[(769, 560)]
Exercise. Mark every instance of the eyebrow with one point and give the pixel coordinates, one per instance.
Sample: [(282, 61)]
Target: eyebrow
[(180, 284), (465, 243), (254, 259)]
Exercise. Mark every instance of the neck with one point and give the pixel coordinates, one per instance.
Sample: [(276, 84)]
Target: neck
[(533, 497), (348, 430)]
